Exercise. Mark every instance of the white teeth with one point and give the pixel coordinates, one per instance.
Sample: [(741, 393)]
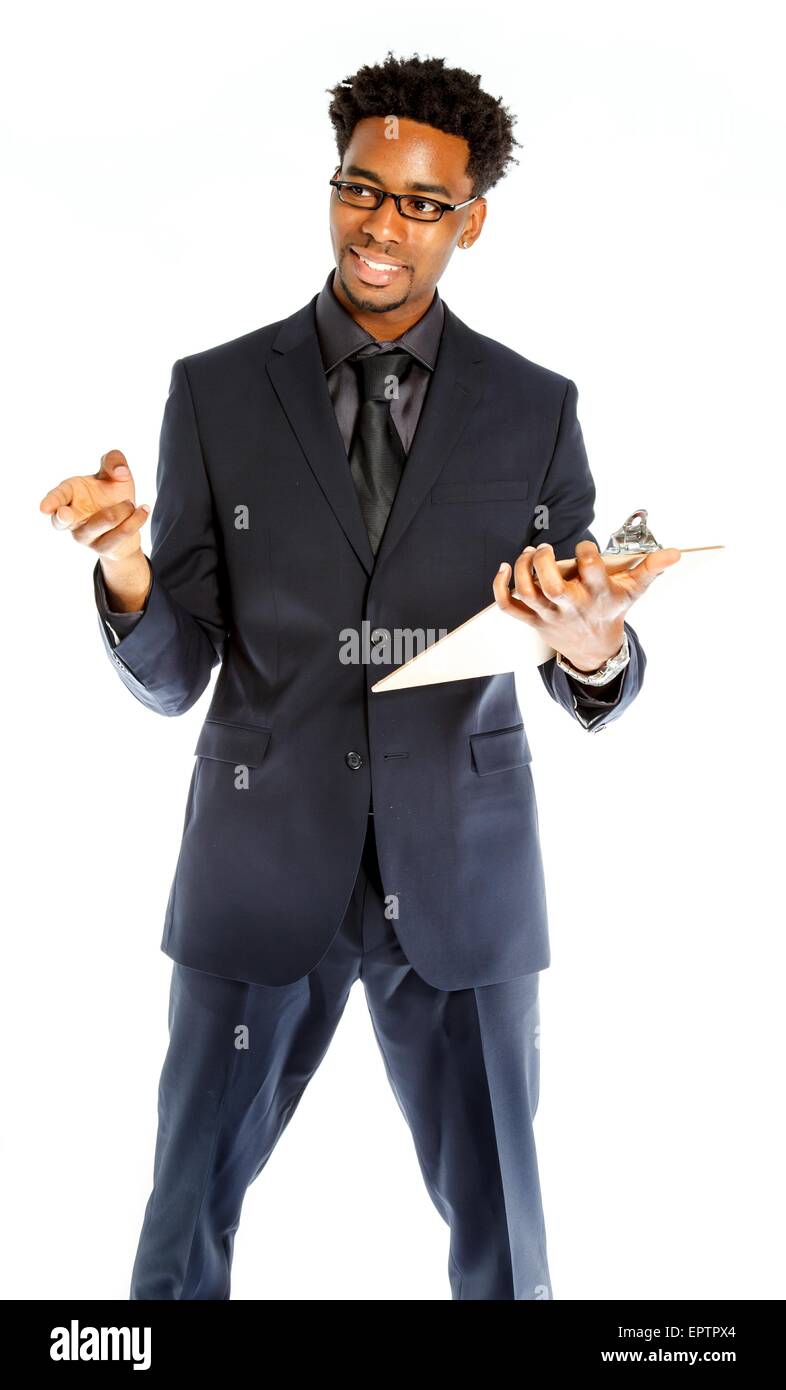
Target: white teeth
[(376, 265)]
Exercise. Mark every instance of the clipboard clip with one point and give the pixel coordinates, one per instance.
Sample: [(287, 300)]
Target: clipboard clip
[(633, 535)]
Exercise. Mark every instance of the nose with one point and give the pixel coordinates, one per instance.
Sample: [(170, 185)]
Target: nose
[(383, 224)]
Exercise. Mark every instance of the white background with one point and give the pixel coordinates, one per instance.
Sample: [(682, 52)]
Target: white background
[(637, 248)]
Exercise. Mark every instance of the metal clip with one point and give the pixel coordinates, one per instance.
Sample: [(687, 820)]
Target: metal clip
[(633, 535)]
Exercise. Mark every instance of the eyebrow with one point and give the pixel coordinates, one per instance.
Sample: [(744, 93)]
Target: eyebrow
[(358, 172)]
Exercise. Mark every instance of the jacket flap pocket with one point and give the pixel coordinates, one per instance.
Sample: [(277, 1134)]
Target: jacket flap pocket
[(232, 743), (503, 490), (500, 749)]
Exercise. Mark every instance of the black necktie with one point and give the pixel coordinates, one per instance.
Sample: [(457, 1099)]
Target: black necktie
[(376, 455)]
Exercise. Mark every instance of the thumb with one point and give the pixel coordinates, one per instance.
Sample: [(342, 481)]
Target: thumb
[(656, 563), (113, 466), (665, 559)]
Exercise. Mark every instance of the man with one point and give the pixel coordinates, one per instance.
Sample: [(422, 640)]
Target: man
[(364, 464)]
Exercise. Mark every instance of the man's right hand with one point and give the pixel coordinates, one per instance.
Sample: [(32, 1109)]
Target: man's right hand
[(100, 512)]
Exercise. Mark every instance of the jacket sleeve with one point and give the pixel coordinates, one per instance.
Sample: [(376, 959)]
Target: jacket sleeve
[(563, 516), (166, 657)]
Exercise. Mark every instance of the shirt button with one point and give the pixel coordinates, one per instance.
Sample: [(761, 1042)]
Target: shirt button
[(353, 760)]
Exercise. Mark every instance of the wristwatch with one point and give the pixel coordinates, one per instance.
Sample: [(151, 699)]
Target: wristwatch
[(605, 673)]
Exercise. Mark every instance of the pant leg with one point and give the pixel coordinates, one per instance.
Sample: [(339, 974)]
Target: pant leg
[(508, 1016), (464, 1067), (238, 1060)]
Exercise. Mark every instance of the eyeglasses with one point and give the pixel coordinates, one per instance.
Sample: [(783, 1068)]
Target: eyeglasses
[(360, 195)]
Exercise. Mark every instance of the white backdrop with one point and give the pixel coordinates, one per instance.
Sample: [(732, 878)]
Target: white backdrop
[(637, 248)]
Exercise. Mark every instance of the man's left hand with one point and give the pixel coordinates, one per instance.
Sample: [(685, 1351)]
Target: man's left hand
[(583, 618)]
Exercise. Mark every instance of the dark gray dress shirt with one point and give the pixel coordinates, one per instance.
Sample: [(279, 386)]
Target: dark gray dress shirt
[(339, 337)]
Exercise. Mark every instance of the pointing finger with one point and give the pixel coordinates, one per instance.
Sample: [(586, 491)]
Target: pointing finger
[(59, 496)]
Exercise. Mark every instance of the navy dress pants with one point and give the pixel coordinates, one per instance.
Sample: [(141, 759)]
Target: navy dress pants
[(464, 1067)]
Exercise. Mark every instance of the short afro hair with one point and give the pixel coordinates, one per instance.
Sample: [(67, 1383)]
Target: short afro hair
[(423, 89)]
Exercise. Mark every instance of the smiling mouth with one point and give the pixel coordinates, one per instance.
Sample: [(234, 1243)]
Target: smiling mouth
[(372, 272)]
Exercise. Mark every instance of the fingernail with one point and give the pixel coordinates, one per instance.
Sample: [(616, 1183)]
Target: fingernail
[(145, 506), (502, 567), (121, 471)]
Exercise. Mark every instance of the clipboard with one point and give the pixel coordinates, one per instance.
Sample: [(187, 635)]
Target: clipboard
[(490, 644)]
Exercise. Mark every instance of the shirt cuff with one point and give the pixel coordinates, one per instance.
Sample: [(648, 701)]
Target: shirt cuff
[(589, 701), (117, 624)]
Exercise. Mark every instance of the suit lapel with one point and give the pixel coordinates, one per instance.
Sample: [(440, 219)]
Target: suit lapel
[(454, 391), (298, 378)]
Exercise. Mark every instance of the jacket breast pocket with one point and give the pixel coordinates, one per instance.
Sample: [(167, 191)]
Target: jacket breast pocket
[(244, 744), (499, 750), (489, 490)]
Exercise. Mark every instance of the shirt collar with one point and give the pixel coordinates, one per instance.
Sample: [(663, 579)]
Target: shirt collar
[(339, 335)]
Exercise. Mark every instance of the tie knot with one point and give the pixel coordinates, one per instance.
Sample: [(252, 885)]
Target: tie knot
[(380, 373)]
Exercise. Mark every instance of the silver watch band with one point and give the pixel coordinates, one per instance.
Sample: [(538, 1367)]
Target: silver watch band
[(605, 673)]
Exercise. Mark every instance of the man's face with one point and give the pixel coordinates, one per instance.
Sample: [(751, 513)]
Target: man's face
[(420, 160)]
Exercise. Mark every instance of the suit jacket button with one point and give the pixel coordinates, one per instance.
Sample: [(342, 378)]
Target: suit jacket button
[(353, 760)]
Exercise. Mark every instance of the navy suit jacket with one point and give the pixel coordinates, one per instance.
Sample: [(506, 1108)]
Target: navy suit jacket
[(260, 562)]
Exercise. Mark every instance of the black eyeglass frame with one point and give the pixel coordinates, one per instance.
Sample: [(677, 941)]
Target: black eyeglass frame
[(381, 195)]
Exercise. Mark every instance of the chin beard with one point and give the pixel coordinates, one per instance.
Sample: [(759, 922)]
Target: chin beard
[(371, 306)]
